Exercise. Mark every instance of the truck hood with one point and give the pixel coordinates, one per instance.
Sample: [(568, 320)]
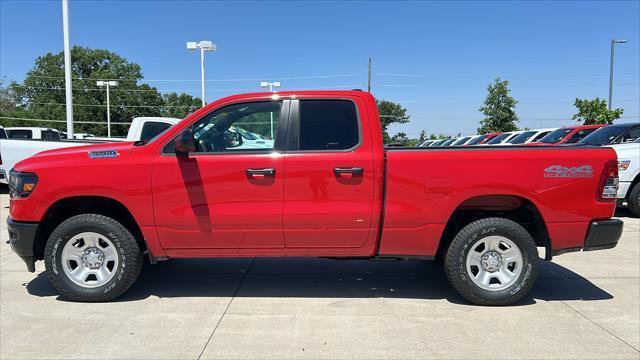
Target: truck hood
[(77, 154)]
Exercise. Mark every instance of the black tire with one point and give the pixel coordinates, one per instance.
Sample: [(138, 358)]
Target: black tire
[(130, 258), (464, 241), (633, 199)]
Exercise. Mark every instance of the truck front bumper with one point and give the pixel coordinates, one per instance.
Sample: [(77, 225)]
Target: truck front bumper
[(22, 236), (603, 234)]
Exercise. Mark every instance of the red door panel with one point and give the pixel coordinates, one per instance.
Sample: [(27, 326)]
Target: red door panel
[(209, 201)]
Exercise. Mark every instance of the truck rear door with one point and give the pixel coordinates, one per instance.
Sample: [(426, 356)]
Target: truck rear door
[(328, 172)]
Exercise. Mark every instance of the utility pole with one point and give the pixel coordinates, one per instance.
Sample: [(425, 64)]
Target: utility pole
[(108, 84), (67, 69), (613, 46), (203, 45), (270, 85), (369, 77)]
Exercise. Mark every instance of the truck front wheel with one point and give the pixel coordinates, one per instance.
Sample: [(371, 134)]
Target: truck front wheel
[(492, 261), (92, 258)]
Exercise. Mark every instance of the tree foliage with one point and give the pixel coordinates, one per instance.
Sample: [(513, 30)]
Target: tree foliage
[(390, 113), (179, 105), (41, 94), (595, 111), (498, 109)]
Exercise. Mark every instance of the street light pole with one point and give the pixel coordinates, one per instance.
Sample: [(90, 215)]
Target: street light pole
[(67, 68), (613, 46), (203, 45), (270, 85), (107, 84)]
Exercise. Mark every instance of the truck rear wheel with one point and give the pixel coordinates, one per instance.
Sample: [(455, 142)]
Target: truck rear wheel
[(633, 200), (92, 258), (492, 261)]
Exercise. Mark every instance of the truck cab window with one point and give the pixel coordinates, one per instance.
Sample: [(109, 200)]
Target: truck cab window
[(20, 134), (328, 125), (239, 127), (152, 128), (50, 135)]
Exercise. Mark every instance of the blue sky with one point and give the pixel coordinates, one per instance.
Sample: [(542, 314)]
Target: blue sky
[(435, 58)]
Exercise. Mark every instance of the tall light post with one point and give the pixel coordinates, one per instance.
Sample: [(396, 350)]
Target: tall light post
[(108, 84), (203, 45), (270, 85), (613, 46), (67, 68)]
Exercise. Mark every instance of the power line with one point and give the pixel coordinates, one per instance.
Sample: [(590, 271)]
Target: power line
[(309, 77), (63, 121)]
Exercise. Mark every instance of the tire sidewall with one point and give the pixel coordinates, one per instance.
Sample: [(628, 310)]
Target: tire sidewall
[(63, 234), (529, 256)]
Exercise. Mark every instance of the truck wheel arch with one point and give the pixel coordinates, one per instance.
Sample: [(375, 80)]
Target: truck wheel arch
[(514, 207), (65, 208)]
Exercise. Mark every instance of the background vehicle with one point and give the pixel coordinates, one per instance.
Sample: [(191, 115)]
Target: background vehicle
[(529, 136), (35, 133), (614, 134), (567, 135), (461, 140), (14, 150), (629, 170), (3, 134), (427, 143), (502, 138), (320, 190), (437, 143), (447, 142)]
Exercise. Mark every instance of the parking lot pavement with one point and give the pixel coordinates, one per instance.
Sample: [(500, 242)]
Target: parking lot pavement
[(584, 305)]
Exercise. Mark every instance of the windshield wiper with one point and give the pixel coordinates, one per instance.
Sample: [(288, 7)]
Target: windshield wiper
[(140, 142)]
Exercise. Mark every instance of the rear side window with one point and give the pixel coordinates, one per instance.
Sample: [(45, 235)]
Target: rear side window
[(580, 135), (50, 135), (328, 125), (152, 128), (540, 136), (19, 134), (631, 136)]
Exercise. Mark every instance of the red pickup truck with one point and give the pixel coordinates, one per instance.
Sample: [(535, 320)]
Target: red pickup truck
[(219, 184)]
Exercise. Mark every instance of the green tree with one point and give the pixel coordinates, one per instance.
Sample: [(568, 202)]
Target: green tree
[(42, 94), (179, 105), (390, 113), (595, 111), (400, 139), (498, 109)]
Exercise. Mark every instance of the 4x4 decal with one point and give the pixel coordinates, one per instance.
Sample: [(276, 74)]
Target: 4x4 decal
[(584, 171)]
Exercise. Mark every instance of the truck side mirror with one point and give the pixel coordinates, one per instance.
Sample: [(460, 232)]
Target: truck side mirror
[(184, 143)]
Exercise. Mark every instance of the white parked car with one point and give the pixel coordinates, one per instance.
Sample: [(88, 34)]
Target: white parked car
[(13, 150), (629, 175), (3, 134), (35, 133), (503, 138), (529, 136)]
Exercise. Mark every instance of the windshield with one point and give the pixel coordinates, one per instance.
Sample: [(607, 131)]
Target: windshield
[(520, 139), (604, 135), (477, 140), (498, 139), (447, 142), (555, 136), (461, 140)]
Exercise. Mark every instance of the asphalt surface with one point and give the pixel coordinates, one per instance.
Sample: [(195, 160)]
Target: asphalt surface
[(584, 305)]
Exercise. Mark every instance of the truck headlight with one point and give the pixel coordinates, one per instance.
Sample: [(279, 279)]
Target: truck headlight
[(21, 184), (623, 164)]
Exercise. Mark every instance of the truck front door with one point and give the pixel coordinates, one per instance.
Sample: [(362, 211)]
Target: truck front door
[(227, 194)]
